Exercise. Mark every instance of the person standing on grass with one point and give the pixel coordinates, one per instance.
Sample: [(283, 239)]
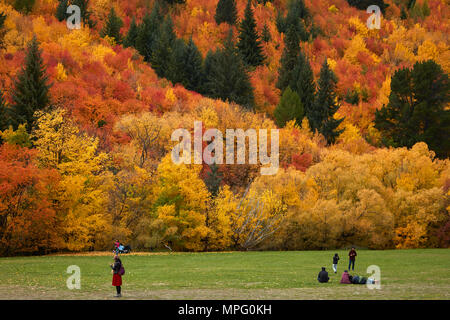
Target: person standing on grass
[(335, 262), (117, 277), (352, 256)]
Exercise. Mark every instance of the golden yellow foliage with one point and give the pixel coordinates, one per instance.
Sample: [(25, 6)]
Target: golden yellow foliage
[(357, 45), (333, 9), (61, 72), (361, 28), (75, 156), (184, 223)]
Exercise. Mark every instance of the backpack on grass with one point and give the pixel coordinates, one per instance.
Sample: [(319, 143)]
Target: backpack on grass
[(355, 280)]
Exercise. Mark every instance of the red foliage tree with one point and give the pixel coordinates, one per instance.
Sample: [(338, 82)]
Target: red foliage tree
[(28, 220)]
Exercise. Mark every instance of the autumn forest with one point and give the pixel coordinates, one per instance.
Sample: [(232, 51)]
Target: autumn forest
[(87, 114)]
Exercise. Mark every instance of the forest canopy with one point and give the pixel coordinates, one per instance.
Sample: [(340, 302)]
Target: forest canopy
[(86, 117)]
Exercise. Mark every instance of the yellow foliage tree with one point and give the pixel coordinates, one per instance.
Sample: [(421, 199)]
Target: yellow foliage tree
[(81, 198), (61, 72), (181, 204)]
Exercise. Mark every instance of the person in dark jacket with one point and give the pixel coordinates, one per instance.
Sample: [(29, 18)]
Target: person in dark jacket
[(117, 278), (352, 256), (323, 276), (335, 262)]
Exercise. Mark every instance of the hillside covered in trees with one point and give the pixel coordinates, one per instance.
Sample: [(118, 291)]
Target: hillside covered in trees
[(86, 117)]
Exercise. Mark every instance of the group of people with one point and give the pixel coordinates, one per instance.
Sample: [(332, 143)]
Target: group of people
[(120, 248), (118, 270), (346, 278)]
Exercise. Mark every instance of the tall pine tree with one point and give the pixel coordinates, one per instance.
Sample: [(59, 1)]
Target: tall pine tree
[(226, 77), (112, 27), (226, 12), (24, 6), (2, 28), (4, 113), (289, 108), (193, 68), (85, 12), (213, 180), (302, 82), (288, 59), (31, 88), (297, 17), (147, 32), (172, 2), (130, 39), (249, 44), (321, 117), (61, 10), (265, 36), (364, 4), (417, 109), (162, 51), (177, 68)]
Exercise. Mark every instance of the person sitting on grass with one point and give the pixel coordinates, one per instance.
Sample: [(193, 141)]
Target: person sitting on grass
[(116, 246), (323, 276), (346, 278)]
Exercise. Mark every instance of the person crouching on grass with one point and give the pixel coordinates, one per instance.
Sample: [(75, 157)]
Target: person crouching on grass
[(117, 278)]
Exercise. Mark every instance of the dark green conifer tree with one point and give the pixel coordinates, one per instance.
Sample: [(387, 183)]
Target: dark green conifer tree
[(417, 109), (226, 12), (302, 82), (403, 14), (4, 113), (163, 49), (177, 68), (288, 59), (213, 180), (266, 37), (249, 44), (112, 26), (2, 27), (85, 12), (325, 106), (193, 68), (297, 17), (31, 88), (226, 77), (61, 10), (133, 31), (24, 6), (364, 4), (289, 108), (147, 32), (172, 2)]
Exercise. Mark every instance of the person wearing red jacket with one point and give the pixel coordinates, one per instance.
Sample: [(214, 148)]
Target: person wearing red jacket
[(116, 246), (117, 277), (352, 255), (345, 278)]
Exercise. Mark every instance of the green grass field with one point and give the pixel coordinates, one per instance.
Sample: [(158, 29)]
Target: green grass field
[(405, 274)]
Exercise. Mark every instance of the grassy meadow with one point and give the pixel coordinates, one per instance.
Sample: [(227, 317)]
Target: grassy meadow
[(405, 274)]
